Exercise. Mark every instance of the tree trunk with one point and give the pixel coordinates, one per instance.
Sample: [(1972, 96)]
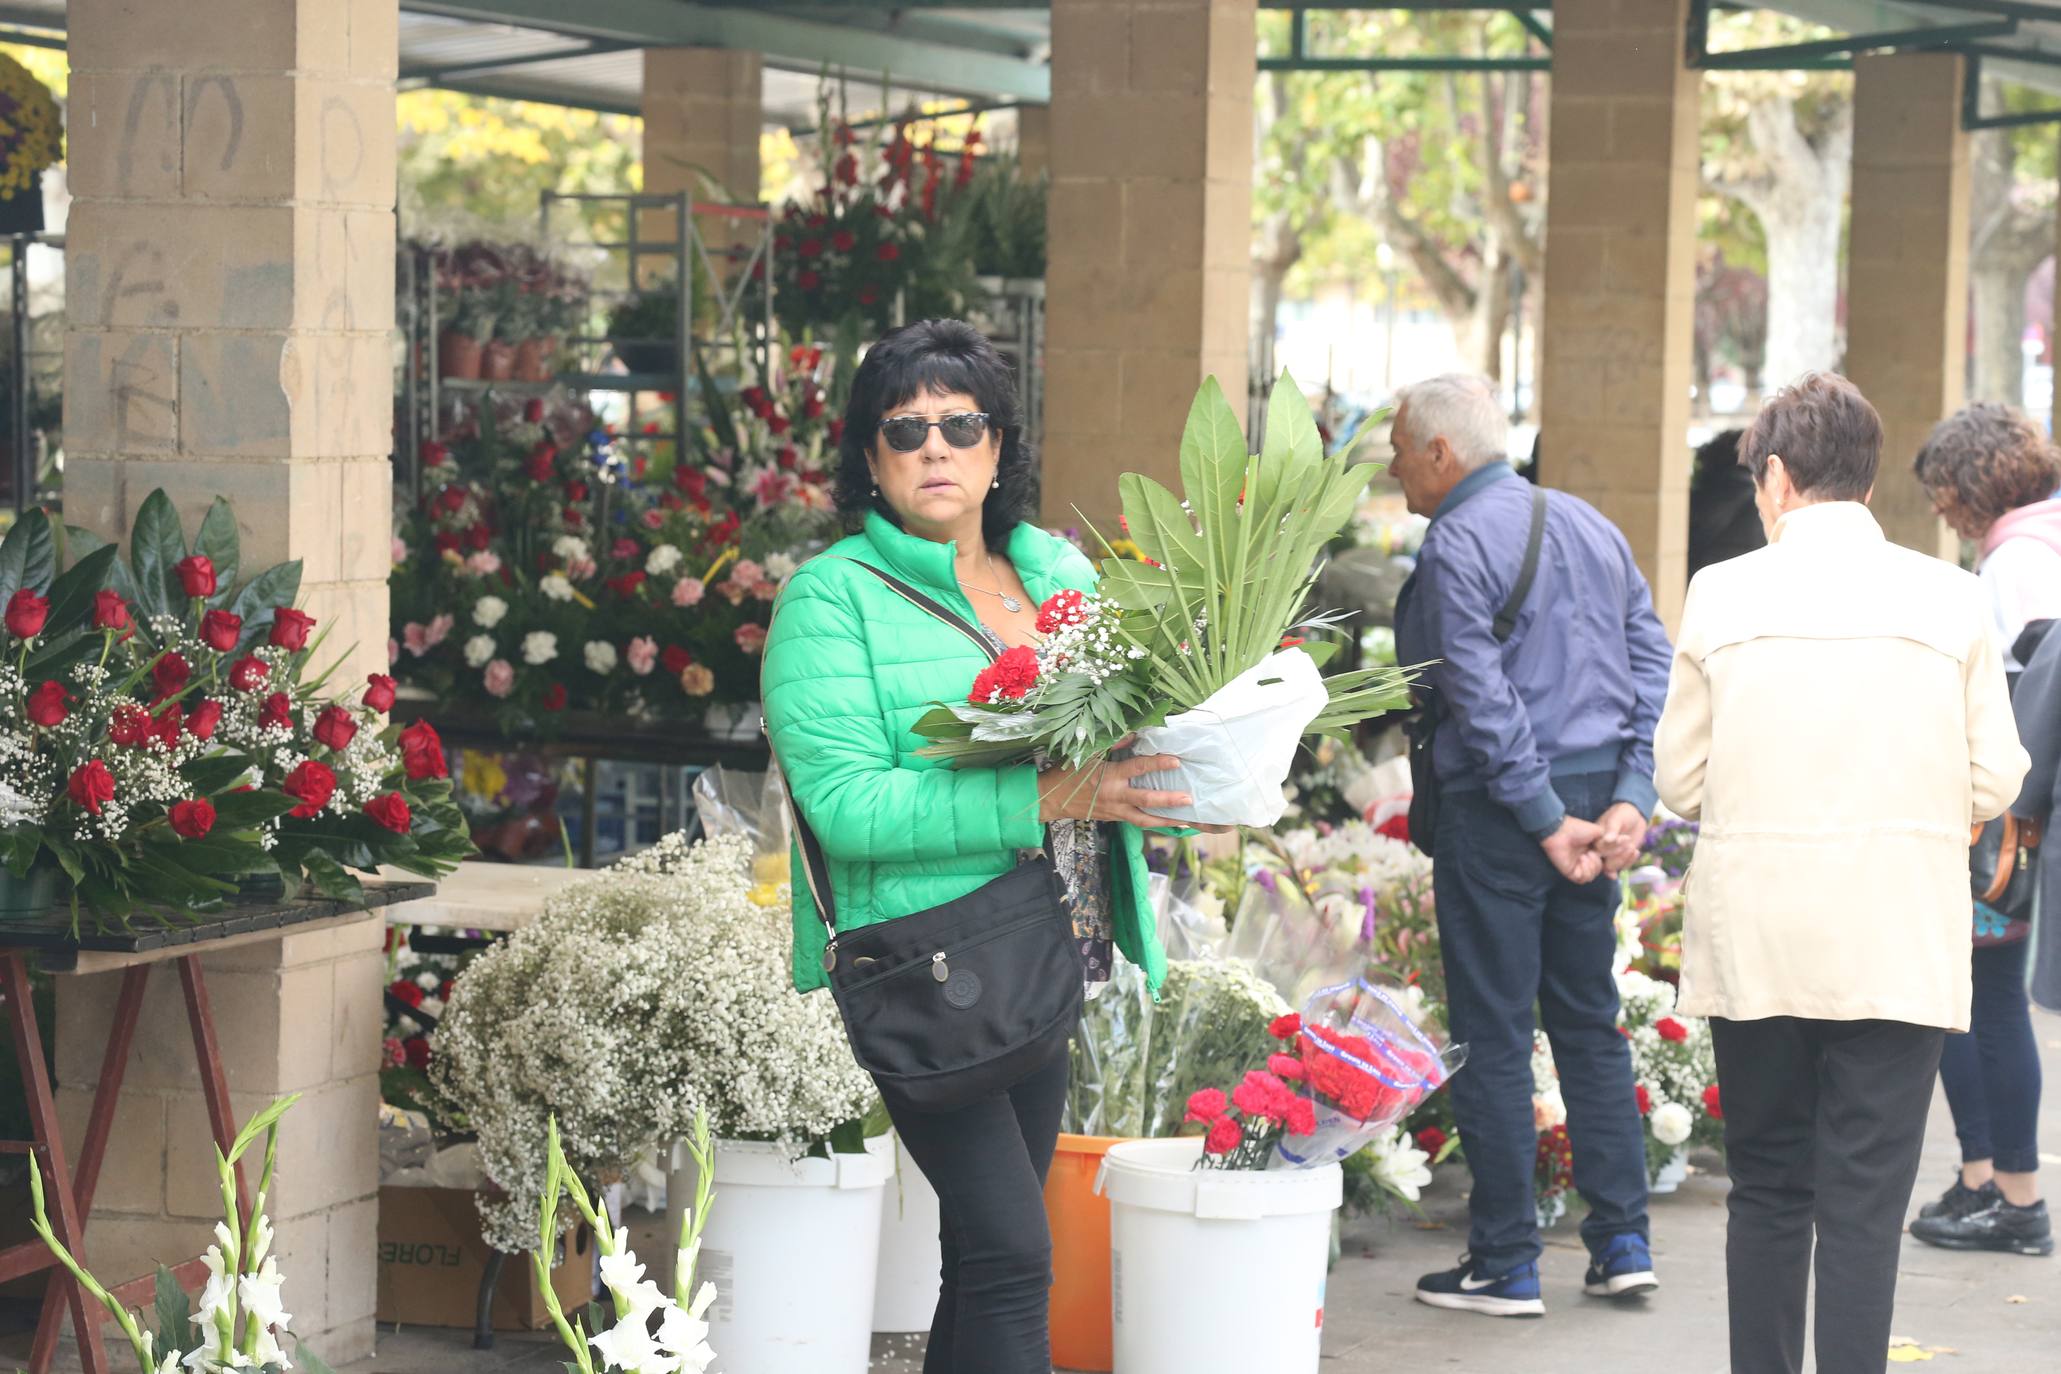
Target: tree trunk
[(2010, 239)]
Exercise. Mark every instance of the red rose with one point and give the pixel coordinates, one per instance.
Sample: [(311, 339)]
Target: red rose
[(130, 725), (446, 542), (554, 697), (47, 704), (1713, 1104), (206, 716), (543, 463), (626, 586), (1431, 1140), (1644, 1099), (416, 1047), (290, 629), (221, 630), (813, 408), (779, 424), (422, 752), (1207, 1105), (1008, 678), (478, 537), (808, 281), (110, 612), (1224, 1137), (312, 784), (576, 490), (335, 728), (1671, 1030), (171, 675), (844, 240), (810, 248), (170, 722), (573, 519), (197, 575), (675, 660), (533, 410), (26, 614), (390, 811), (379, 693), (452, 499), (405, 990), (91, 786), (193, 819), (887, 252), (277, 712), (434, 453), (249, 674)]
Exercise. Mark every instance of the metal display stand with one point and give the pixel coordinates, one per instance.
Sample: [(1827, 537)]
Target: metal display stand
[(21, 435), (1013, 318)]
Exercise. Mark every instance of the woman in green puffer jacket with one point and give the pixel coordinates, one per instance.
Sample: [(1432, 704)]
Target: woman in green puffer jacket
[(933, 460)]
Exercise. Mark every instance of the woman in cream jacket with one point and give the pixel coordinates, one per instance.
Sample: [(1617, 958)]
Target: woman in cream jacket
[(1837, 719)]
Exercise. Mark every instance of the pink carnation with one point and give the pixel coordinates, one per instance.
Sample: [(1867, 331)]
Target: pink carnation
[(420, 639), (393, 651), (400, 549), (747, 574), (642, 653), (688, 591), (483, 564), (500, 678), (654, 518), (751, 638), (580, 569)]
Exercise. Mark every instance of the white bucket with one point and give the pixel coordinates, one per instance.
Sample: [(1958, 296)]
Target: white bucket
[(1216, 1269), (905, 1291), (790, 1247)]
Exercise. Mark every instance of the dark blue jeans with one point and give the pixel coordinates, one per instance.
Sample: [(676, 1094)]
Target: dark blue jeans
[(1992, 1074), (1513, 934)]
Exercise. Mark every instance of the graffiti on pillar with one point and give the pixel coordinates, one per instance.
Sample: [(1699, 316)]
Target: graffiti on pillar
[(150, 83), (343, 147), (232, 107)]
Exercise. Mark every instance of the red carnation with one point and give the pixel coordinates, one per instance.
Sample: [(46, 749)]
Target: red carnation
[(887, 252), (533, 410), (478, 537), (390, 811), (110, 612), (130, 725), (379, 692), (248, 674), (575, 490), (206, 716), (626, 585), (1224, 1136), (836, 429), (171, 675), (1008, 678), (869, 295), (1207, 1105), (810, 248), (813, 408), (434, 453), (416, 1047), (452, 499), (277, 712), (221, 630), (406, 990), (1059, 612), (1671, 1030), (197, 575), (844, 240), (1712, 1103), (1286, 1066), (542, 462), (335, 728), (1285, 1027), (554, 697), (193, 819), (91, 786), (446, 542), (1301, 1118), (779, 424), (808, 281), (422, 752), (47, 704), (675, 660), (27, 614), (312, 784)]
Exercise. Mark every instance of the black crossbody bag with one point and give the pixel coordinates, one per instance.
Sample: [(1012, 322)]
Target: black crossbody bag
[(1422, 727), (962, 1001)]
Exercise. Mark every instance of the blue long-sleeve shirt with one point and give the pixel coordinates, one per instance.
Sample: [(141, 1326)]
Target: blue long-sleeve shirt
[(1578, 686)]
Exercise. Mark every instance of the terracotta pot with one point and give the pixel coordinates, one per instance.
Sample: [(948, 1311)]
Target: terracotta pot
[(533, 359), (458, 356), (497, 361)]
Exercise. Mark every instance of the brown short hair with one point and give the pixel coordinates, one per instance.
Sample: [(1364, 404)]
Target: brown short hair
[(1991, 459), (1825, 432)]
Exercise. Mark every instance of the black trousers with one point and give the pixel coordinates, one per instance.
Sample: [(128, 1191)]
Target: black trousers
[(988, 1163), (1824, 1122)]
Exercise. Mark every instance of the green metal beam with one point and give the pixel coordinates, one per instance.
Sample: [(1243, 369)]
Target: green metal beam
[(1406, 64), (1941, 36), (1533, 27), (1972, 117), (539, 95), (437, 76), (787, 41), (37, 38)]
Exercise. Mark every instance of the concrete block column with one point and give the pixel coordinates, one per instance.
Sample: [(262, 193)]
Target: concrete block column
[(702, 116), (1907, 286), (1620, 275), (1034, 139), (1148, 277), (230, 268)]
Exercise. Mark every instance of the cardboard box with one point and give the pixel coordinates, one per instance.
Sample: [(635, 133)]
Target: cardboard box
[(432, 1258)]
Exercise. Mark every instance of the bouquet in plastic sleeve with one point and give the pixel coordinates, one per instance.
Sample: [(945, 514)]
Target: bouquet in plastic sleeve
[(752, 805), (1365, 1064)]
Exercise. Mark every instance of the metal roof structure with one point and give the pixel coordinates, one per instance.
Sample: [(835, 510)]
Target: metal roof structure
[(993, 53)]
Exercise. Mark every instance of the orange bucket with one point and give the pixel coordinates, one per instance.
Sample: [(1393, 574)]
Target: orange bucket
[(1081, 1336)]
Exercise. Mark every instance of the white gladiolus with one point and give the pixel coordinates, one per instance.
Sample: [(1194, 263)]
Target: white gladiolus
[(663, 560), (601, 657), (1671, 1123), (556, 587), (479, 650), (539, 647), (488, 610)]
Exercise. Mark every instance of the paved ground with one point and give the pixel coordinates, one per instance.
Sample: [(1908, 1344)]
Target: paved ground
[(1973, 1314)]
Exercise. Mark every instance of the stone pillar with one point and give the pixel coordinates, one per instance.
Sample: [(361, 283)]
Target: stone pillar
[(1621, 276), (1907, 274), (229, 273), (1148, 282), (702, 116), (1034, 139)]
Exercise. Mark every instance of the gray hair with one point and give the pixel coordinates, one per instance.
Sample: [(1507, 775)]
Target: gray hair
[(1464, 410)]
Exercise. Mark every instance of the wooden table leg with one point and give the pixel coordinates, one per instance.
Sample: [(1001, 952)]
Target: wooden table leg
[(214, 1084), (66, 1217)]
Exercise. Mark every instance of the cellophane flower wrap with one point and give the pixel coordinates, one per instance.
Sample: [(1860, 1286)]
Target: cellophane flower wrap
[(1194, 648), (1366, 1064), (164, 730)]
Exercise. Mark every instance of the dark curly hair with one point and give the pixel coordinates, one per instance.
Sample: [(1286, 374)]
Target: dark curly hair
[(1988, 459), (935, 358)]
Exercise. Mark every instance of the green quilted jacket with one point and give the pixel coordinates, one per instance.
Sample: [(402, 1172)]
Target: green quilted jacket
[(849, 668)]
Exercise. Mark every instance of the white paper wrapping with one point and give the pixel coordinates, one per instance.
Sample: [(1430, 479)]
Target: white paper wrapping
[(1237, 747)]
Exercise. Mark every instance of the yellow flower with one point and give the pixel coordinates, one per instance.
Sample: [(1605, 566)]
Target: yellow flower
[(31, 136), (481, 773)]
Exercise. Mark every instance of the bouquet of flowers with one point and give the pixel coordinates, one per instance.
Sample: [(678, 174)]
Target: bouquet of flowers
[(1367, 1065), (1675, 1067), (241, 1320), (161, 734), (1193, 651), (1243, 1130)]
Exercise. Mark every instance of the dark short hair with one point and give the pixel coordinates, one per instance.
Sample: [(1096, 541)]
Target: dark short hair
[(1991, 459), (935, 358), (1825, 432)]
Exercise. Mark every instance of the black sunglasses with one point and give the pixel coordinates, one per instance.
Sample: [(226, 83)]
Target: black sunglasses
[(906, 433)]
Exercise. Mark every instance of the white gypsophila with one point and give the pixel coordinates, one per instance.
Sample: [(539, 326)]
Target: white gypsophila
[(556, 587), (600, 656), (479, 651), (779, 567), (663, 560), (571, 548), (488, 610), (650, 989), (1671, 1123), (539, 647)]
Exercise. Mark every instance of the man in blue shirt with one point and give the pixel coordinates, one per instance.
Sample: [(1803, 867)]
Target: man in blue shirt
[(1544, 756)]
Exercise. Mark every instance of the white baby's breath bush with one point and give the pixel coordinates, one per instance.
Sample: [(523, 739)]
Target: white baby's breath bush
[(655, 988)]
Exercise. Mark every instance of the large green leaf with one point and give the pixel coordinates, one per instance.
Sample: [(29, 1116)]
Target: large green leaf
[(71, 595), (1213, 464), (174, 1313), (241, 810), (1136, 586), (262, 595), (28, 556), (1161, 528), (79, 542), (331, 879), (215, 772), (57, 656), (218, 542), (156, 548)]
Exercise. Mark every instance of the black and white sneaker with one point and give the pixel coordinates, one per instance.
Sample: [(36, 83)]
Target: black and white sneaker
[(1469, 1289), (1961, 1200), (1999, 1227)]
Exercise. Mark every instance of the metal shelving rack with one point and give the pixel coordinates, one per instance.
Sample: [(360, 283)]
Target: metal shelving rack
[(1013, 317), (22, 456)]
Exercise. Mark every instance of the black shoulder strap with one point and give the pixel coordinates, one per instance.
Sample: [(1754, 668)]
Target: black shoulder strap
[(816, 869), (1506, 619)]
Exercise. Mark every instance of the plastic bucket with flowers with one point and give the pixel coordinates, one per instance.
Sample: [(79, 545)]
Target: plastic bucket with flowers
[(906, 1283)]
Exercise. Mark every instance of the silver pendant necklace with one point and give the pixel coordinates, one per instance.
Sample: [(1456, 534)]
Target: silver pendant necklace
[(1009, 603)]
